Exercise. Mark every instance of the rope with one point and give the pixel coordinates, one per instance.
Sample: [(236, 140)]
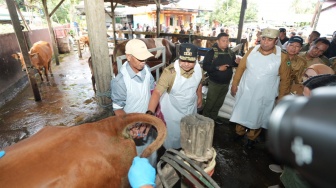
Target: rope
[(104, 94)]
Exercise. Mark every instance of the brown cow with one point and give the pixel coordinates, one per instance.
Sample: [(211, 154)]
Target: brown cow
[(95, 154), (40, 56), (84, 39)]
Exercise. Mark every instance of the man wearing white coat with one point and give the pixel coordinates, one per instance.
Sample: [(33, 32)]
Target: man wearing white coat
[(260, 78), (131, 92), (179, 91)]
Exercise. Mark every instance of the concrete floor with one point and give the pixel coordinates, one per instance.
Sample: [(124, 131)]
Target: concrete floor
[(70, 101)]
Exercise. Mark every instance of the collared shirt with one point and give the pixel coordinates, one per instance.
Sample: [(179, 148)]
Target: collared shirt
[(298, 66), (284, 72), (118, 86), (167, 78), (315, 60), (305, 47)]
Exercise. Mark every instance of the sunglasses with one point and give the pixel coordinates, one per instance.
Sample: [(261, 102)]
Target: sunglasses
[(142, 61)]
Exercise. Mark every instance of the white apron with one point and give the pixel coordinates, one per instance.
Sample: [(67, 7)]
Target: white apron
[(180, 102), (137, 100), (257, 89)]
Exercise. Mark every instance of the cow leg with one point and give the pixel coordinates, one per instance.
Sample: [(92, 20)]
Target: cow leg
[(40, 73), (46, 74), (51, 74)]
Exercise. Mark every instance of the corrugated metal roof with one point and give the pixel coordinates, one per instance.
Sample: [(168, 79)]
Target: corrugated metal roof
[(138, 3)]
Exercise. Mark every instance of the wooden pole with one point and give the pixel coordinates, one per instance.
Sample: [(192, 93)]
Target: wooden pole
[(157, 2), (95, 19), (51, 31), (113, 22), (241, 20), (79, 50), (24, 49), (58, 5), (317, 15)]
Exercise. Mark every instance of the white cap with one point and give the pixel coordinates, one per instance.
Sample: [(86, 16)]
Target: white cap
[(138, 49)]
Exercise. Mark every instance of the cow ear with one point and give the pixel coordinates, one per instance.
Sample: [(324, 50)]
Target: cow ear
[(16, 56), (34, 55)]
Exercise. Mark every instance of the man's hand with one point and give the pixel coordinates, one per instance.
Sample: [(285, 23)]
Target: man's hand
[(141, 173), (199, 102), (223, 67), (238, 58), (2, 153), (139, 130), (234, 90)]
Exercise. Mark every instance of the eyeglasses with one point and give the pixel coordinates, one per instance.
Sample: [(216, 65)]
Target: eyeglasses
[(142, 61)]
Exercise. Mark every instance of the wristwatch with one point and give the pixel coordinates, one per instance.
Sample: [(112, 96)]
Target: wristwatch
[(150, 112), (217, 67)]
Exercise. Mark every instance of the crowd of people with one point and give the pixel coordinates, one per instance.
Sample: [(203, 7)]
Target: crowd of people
[(275, 67)]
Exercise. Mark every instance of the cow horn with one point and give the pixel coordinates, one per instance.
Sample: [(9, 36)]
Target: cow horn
[(130, 119)]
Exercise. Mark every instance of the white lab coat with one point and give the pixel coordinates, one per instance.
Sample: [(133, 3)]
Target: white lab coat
[(257, 89), (178, 103)]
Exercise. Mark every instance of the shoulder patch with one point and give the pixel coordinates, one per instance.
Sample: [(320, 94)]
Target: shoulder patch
[(171, 70)]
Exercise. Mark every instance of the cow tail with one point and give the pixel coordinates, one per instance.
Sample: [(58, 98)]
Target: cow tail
[(130, 119)]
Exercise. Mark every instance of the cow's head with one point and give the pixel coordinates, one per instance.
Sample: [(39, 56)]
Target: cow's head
[(19, 57)]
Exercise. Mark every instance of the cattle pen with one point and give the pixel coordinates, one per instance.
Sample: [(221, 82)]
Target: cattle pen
[(70, 101)]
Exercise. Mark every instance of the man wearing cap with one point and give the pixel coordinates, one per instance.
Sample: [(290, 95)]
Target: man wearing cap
[(282, 36), (298, 64), (179, 91), (315, 53), (183, 32), (260, 78), (218, 63), (131, 92)]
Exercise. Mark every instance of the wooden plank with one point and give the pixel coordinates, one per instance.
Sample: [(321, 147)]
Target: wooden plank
[(241, 20), (51, 31), (95, 15)]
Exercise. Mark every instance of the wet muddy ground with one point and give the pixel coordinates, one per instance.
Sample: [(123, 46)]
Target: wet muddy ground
[(70, 101)]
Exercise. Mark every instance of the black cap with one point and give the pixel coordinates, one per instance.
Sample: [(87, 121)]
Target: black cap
[(282, 29), (188, 52), (296, 39)]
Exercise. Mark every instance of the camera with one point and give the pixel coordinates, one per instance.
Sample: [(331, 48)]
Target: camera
[(302, 135)]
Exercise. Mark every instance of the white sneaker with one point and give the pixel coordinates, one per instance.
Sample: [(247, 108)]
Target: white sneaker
[(275, 168)]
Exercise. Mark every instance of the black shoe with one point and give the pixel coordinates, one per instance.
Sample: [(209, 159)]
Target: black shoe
[(237, 137), (249, 144)]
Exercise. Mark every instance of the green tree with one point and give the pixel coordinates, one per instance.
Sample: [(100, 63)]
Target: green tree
[(303, 6), (62, 14), (227, 12)]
